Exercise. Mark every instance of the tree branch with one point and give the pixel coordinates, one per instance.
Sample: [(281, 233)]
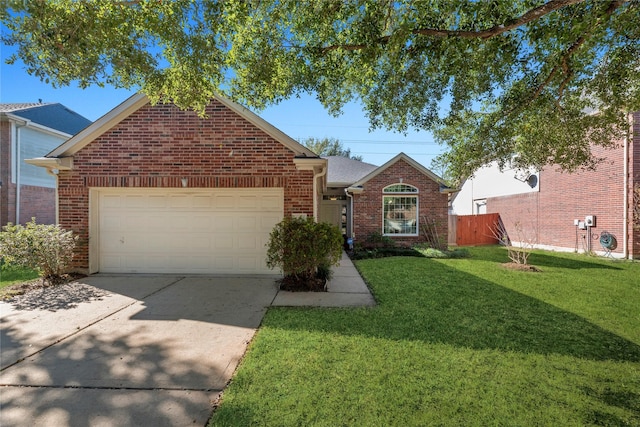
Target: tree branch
[(531, 15), (564, 63)]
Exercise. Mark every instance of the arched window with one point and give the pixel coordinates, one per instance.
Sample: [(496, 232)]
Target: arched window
[(400, 210), (399, 188)]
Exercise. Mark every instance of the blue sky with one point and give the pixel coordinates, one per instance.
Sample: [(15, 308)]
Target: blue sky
[(299, 118)]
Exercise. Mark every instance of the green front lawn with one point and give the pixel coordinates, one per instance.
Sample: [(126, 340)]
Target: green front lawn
[(453, 342), (10, 275)]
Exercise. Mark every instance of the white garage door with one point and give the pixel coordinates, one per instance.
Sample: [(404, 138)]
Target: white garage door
[(186, 231)]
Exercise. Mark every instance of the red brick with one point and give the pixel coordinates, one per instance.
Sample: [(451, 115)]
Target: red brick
[(547, 216), (159, 145), (367, 206)]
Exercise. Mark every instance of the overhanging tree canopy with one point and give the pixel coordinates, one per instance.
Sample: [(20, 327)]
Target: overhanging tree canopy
[(329, 147), (491, 78)]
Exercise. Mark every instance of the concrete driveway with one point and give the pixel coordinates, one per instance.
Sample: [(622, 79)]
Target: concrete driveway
[(126, 350)]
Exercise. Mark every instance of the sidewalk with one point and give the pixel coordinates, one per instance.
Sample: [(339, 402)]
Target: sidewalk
[(345, 289)]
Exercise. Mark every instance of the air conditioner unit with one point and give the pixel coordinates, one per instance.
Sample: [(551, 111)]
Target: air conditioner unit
[(590, 220)]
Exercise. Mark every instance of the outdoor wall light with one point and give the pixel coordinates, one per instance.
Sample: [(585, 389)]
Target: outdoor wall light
[(184, 182)]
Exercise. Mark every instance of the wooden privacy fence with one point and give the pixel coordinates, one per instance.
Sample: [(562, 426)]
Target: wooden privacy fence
[(470, 230)]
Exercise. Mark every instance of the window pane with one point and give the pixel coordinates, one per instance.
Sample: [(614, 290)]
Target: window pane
[(400, 214), (400, 188)]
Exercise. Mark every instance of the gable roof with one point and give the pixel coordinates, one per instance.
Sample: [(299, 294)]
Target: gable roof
[(137, 101), (53, 116), (344, 171), (393, 161)]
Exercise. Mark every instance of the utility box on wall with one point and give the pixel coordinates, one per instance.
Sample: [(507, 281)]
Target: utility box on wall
[(590, 220)]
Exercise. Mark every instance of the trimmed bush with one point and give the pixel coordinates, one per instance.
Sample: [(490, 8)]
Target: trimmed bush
[(304, 250), (42, 247)]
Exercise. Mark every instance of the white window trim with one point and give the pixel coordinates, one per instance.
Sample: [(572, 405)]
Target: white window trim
[(413, 194)]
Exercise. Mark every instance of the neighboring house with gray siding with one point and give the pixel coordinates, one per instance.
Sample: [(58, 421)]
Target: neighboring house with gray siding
[(29, 130)]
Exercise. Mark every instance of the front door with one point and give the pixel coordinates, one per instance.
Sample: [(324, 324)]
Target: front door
[(334, 213)]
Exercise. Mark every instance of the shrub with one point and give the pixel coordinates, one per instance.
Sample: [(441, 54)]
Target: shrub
[(429, 228), (301, 248), (525, 241), (377, 240), (42, 247), (429, 252)]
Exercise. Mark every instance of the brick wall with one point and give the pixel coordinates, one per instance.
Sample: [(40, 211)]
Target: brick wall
[(158, 146), (367, 206), (38, 203), (547, 216)]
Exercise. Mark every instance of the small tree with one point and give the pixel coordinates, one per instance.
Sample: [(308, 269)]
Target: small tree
[(300, 247), (429, 228), (42, 247), (518, 254)]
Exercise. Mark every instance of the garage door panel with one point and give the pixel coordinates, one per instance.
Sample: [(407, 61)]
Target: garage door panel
[(135, 242), (155, 242), (199, 243), (247, 242), (245, 223), (138, 222), (223, 241), (201, 222), (202, 201), (223, 222), (110, 223), (225, 202), (157, 201), (180, 201), (157, 262), (201, 263), (187, 231), (149, 222), (110, 262), (248, 203), (223, 263), (247, 263), (270, 203), (135, 201)]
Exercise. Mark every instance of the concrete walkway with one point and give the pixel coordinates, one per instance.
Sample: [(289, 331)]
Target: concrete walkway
[(345, 289), (137, 350)]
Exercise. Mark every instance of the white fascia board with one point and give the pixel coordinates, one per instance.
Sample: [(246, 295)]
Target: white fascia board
[(310, 163), (409, 160), (355, 190), (339, 184), (51, 163)]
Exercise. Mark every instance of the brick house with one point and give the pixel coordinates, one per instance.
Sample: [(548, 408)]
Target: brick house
[(394, 200), (28, 130), (154, 189), (555, 208)]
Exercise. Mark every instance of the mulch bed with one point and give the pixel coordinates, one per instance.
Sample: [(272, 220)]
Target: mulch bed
[(35, 284), (521, 267), (296, 284)]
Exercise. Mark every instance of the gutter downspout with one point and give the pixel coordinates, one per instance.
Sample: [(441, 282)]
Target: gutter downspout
[(320, 174), (350, 213), (18, 167), (625, 197)]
